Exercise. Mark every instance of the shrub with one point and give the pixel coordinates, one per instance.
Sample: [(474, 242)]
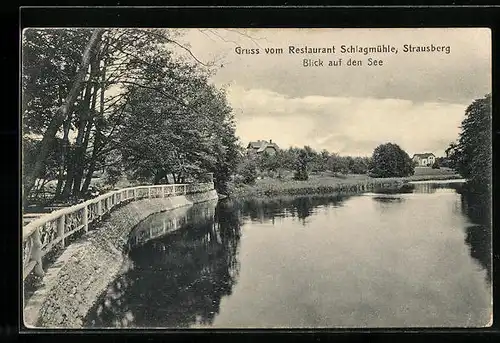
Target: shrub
[(301, 173), (389, 160), (113, 175), (249, 172)]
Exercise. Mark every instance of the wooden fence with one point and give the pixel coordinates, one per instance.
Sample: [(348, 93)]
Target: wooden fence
[(41, 235)]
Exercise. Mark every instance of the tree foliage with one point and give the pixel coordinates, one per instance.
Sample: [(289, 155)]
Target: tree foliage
[(162, 138), (293, 159), (106, 91), (301, 164), (472, 155), (248, 171), (389, 160)]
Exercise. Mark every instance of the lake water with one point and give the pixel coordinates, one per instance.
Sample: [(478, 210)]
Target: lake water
[(410, 259)]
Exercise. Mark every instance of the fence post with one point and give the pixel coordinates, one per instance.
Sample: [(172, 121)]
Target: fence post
[(149, 192), (60, 228), (99, 208), (173, 190), (86, 218), (163, 191), (36, 253), (185, 190), (135, 194)]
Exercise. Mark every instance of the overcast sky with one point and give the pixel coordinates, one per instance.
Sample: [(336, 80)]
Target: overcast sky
[(416, 100)]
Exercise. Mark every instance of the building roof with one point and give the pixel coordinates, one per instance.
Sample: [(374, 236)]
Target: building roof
[(255, 144), (424, 155), (261, 145)]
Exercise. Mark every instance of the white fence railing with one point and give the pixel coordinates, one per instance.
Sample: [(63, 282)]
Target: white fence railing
[(43, 234)]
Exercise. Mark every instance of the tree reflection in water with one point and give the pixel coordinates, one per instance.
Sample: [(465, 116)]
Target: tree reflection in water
[(265, 210), (431, 187), (406, 188), (388, 199), (477, 207), (177, 280)]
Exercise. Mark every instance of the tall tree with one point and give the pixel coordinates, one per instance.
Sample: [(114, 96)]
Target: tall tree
[(63, 111), (472, 155), (88, 101), (181, 137)]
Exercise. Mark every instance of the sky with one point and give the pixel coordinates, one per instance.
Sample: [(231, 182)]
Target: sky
[(415, 99)]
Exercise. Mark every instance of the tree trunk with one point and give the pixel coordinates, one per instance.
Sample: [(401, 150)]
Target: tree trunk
[(160, 174), (65, 157), (83, 147), (79, 158), (63, 111), (97, 138), (75, 157), (86, 141), (60, 177), (91, 168)]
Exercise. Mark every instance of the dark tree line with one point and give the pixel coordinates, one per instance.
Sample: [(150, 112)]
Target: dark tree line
[(388, 160)]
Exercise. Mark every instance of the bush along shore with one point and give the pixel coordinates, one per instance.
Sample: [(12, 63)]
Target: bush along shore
[(270, 187)]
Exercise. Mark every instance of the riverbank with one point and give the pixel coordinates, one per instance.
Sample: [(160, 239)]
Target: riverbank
[(79, 276), (323, 184)]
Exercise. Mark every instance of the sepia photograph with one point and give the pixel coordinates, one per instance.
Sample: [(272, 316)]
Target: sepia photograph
[(271, 178)]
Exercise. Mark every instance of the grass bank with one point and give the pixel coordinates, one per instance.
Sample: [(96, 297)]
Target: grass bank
[(327, 183)]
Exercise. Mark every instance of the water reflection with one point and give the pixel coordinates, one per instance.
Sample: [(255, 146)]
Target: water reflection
[(478, 238), (388, 199), (158, 225), (476, 207), (380, 259), (479, 234), (267, 210), (175, 280), (432, 187), (405, 188)]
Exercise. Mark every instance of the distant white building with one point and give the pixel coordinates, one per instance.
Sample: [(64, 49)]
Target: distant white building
[(424, 160)]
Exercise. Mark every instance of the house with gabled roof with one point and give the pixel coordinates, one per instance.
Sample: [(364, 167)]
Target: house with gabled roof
[(424, 160), (261, 146)]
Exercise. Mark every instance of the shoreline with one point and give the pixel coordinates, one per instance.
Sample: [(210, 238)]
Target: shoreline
[(314, 186)]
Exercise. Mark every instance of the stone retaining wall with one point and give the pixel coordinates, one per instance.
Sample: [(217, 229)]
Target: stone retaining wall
[(74, 282)]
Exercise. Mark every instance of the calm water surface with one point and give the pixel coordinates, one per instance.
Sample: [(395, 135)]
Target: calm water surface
[(413, 258)]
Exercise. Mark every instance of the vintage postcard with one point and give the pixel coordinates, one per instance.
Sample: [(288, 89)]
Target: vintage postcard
[(256, 178)]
